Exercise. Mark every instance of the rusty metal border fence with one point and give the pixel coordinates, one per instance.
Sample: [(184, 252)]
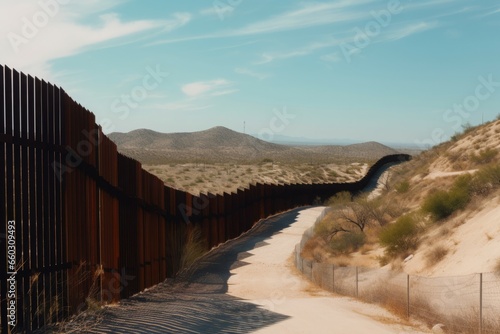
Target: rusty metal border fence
[(89, 221)]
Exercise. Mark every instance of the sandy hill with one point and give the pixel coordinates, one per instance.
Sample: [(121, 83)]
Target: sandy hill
[(462, 174), (469, 239), (220, 144)]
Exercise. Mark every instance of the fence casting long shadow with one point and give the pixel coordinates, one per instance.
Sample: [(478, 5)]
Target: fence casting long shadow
[(80, 219)]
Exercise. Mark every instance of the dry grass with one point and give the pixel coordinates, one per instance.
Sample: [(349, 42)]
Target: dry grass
[(219, 178), (195, 247), (90, 313), (435, 255), (393, 298), (388, 296), (496, 269), (412, 183)]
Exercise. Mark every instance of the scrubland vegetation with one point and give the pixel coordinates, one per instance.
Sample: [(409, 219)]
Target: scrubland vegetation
[(421, 194), (218, 178), (422, 215)]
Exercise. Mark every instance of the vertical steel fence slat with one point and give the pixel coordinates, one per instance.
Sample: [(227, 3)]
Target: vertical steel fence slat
[(3, 214)]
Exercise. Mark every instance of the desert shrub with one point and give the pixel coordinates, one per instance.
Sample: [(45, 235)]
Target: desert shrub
[(468, 128), (497, 268), (323, 228), (383, 260), (403, 187), (486, 179), (333, 173), (401, 237), (442, 203), (340, 198), (195, 247), (455, 137), (453, 156), (484, 156), (435, 255), (347, 243)]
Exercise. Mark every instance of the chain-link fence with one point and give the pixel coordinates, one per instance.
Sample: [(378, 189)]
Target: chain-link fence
[(463, 304)]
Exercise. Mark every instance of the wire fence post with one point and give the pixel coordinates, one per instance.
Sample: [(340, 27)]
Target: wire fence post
[(357, 283), (408, 296), (333, 278), (312, 267), (480, 303)]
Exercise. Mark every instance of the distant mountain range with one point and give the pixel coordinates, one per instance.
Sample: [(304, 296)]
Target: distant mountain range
[(222, 145)]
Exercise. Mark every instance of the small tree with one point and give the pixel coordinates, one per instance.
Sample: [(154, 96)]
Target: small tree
[(401, 237), (357, 215)]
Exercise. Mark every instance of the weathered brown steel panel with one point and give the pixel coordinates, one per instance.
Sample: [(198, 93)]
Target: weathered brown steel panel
[(3, 216)]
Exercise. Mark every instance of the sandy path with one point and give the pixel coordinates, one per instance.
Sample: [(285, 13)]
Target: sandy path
[(437, 174), (281, 289), (247, 285)]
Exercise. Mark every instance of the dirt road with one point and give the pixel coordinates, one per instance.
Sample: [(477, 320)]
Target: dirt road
[(247, 285)]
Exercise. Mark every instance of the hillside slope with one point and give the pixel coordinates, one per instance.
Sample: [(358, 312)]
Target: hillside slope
[(220, 144), (471, 235), (452, 194)]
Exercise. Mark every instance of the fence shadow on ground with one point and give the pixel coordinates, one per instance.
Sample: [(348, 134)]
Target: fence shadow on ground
[(195, 301), (76, 202)]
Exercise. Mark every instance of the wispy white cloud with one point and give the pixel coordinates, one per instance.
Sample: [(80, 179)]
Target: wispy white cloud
[(392, 33), (302, 51), (197, 95), (492, 12), (408, 30), (253, 74), (224, 92), (219, 11), (426, 4), (309, 14), (332, 57), (234, 46), (32, 46), (215, 87)]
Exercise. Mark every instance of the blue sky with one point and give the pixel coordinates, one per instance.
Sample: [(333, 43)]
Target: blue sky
[(391, 71)]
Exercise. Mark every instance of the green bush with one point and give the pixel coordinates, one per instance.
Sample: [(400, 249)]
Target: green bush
[(324, 228), (486, 179), (403, 187), (340, 198), (401, 237), (442, 203), (347, 243), (484, 156)]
